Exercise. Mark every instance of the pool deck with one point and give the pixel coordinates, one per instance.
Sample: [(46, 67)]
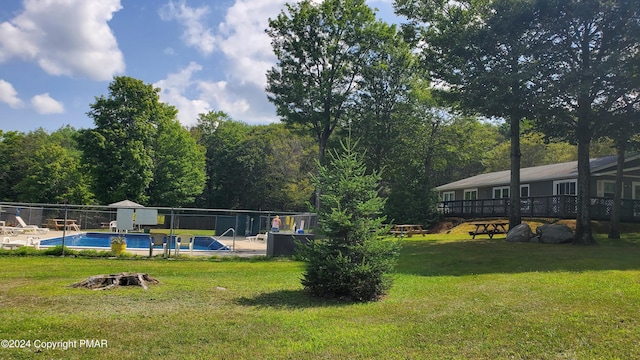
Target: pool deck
[(243, 246)]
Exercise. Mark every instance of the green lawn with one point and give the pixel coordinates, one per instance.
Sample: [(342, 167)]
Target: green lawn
[(452, 299)]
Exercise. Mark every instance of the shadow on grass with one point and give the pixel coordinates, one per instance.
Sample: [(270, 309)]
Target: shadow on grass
[(471, 257), (288, 299)]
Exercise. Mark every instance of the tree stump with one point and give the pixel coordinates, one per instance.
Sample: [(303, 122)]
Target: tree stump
[(104, 282)]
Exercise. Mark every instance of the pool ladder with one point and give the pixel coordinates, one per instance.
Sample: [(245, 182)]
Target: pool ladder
[(223, 234)]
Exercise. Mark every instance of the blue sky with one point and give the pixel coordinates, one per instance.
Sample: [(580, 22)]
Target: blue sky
[(56, 56)]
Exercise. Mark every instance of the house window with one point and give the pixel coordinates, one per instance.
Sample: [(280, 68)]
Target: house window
[(501, 192), (565, 187), (524, 191), (606, 188), (471, 194), (448, 196)]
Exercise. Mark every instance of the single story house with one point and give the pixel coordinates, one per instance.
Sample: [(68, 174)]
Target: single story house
[(548, 190)]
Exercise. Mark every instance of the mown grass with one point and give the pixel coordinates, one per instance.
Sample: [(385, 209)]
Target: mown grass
[(453, 298)]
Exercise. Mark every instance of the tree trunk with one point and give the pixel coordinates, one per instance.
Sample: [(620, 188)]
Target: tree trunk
[(514, 190), (323, 139), (104, 282), (614, 223), (584, 235)]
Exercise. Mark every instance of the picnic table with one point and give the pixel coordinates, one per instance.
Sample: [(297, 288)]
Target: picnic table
[(490, 228), (407, 229)]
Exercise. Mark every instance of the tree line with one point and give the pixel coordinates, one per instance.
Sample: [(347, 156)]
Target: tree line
[(227, 164), (461, 88)]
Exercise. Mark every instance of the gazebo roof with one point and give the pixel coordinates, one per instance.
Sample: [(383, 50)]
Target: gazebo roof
[(126, 204)]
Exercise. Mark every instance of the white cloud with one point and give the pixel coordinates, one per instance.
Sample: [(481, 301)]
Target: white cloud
[(196, 33), (205, 96), (173, 92), (45, 104), (244, 24), (65, 37), (9, 95), (225, 100)]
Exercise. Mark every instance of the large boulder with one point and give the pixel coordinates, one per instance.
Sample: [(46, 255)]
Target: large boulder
[(520, 233), (554, 234)]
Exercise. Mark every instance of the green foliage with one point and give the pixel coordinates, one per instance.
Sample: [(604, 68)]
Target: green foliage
[(41, 167), (119, 151), (24, 251), (91, 253), (138, 150), (350, 259), (254, 167), (179, 166), (118, 240), (305, 39), (58, 250)]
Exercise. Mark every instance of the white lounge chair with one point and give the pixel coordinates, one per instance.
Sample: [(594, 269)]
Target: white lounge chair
[(34, 228), (11, 230), (259, 237)]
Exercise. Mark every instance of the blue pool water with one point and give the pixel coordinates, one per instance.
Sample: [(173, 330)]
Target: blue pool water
[(134, 241)]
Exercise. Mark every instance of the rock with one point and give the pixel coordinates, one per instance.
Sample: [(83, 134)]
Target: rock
[(520, 233), (554, 234)]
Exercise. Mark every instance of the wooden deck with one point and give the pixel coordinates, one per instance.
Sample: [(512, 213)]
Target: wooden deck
[(557, 207)]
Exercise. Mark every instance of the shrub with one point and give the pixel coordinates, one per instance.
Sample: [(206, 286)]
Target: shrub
[(58, 250), (94, 253), (350, 259), (25, 251)]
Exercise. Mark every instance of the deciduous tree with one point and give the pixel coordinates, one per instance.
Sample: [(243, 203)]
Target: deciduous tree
[(321, 49)]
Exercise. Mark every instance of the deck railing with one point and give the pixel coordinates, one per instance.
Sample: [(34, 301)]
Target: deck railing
[(559, 206)]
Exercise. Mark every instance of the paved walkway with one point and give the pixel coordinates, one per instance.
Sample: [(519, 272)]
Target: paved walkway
[(240, 247)]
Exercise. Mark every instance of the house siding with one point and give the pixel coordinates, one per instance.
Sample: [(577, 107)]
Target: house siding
[(545, 187)]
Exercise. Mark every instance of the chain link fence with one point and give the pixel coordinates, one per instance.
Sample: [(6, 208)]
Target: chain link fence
[(96, 217)]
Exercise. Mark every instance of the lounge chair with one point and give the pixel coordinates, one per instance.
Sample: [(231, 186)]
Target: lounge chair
[(259, 237), (34, 228), (11, 230)]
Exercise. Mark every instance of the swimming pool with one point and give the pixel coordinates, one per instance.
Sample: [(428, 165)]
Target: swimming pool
[(134, 241)]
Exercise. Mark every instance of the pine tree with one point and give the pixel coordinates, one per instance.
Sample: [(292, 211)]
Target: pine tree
[(352, 260)]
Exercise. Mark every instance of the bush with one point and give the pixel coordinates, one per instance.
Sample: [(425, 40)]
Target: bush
[(94, 253), (24, 251), (58, 250), (353, 261)]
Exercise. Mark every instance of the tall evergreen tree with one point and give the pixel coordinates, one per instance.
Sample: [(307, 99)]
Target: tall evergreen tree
[(351, 260)]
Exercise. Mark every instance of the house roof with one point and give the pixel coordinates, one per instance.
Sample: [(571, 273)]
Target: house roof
[(567, 170)]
